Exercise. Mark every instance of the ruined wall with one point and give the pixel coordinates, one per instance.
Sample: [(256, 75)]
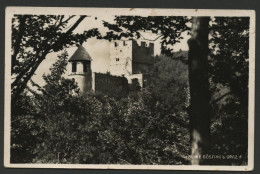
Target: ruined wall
[(143, 59), (111, 85), (121, 57), (139, 77)]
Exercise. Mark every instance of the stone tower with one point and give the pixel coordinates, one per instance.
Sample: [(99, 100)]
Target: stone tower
[(80, 69), (131, 59), (121, 57)]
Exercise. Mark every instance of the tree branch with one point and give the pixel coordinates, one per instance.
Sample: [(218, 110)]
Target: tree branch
[(68, 32), (18, 40), (28, 77), (76, 24), (23, 72), (68, 19)]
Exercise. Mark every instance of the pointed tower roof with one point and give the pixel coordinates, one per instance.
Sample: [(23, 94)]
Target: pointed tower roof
[(80, 54)]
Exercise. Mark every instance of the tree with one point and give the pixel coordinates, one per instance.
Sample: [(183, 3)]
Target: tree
[(199, 110), (56, 84), (170, 79), (230, 54), (57, 89), (30, 118), (35, 36), (228, 74), (24, 130)]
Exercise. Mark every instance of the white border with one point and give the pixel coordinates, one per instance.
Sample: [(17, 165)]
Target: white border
[(126, 11)]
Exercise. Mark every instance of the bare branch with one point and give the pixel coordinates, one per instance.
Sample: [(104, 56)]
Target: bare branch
[(68, 19), (69, 31)]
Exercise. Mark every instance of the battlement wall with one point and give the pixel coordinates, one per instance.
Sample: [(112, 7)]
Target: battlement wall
[(143, 53), (143, 59)]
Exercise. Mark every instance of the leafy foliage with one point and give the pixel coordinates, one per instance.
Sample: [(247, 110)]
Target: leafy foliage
[(28, 115), (171, 78), (24, 130), (230, 53)]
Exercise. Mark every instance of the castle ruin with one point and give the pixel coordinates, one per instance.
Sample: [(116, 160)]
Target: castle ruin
[(129, 62)]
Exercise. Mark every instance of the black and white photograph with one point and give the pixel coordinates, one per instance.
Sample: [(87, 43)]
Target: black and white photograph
[(129, 88)]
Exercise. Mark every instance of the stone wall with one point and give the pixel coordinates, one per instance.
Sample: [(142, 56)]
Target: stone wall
[(139, 77), (112, 85)]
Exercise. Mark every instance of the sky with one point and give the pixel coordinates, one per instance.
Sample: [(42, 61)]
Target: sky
[(97, 49)]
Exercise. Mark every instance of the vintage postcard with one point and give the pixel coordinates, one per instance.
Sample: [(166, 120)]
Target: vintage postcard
[(129, 88)]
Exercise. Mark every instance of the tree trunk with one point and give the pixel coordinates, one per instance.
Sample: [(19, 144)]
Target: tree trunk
[(199, 111)]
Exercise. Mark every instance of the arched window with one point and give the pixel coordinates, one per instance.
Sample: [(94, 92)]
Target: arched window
[(74, 67)]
